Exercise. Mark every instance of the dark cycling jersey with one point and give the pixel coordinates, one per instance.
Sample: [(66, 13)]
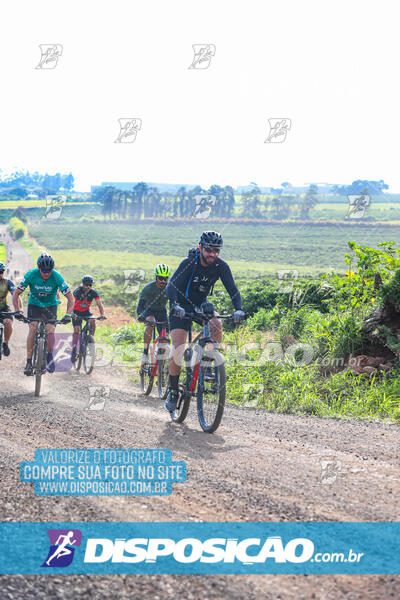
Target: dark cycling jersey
[(152, 300), (6, 285), (84, 300), (191, 283)]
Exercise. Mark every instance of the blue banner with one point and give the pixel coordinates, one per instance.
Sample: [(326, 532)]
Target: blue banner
[(200, 548)]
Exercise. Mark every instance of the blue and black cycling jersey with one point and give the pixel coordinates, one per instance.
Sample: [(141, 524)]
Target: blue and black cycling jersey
[(191, 283)]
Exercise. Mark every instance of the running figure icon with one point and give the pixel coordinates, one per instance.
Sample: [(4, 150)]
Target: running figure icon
[(61, 552), (62, 549)]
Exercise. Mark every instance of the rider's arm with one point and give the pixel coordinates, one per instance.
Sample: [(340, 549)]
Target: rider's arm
[(17, 300), (141, 307), (71, 301), (177, 285), (230, 285), (65, 290), (11, 289), (100, 305)]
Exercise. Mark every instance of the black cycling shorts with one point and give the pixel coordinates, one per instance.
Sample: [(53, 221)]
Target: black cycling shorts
[(182, 323), (5, 309), (86, 314), (42, 313), (159, 316)]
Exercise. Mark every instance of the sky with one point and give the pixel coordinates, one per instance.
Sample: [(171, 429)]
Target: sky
[(329, 67)]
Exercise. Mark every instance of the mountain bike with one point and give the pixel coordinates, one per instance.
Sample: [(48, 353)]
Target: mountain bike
[(158, 363), (205, 370), (4, 315), (39, 359), (86, 351)]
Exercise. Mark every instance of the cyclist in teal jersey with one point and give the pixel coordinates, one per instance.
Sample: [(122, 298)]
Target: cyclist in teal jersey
[(43, 282)]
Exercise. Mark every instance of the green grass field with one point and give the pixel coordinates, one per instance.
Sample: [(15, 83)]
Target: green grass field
[(2, 253), (251, 249)]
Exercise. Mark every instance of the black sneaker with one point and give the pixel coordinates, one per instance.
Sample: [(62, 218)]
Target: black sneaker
[(172, 400), (28, 367), (6, 349)]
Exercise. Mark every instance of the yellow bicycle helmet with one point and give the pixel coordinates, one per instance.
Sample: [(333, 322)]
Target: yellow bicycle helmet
[(162, 270)]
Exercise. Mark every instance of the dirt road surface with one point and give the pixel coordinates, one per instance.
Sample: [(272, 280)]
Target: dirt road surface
[(257, 467)]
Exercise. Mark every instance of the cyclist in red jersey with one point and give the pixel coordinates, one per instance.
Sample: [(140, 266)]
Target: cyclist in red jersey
[(84, 296)]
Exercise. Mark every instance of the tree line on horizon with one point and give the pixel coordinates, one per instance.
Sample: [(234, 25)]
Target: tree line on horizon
[(144, 201)]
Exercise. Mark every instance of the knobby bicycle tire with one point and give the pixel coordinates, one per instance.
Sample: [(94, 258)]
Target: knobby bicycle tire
[(183, 404), (209, 425), (89, 354), (38, 365), (78, 356), (162, 379), (146, 379)]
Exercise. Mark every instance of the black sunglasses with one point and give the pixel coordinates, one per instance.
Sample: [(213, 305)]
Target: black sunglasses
[(162, 278), (212, 249)]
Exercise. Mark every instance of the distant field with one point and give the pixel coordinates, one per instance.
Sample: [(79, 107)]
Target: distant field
[(2, 253), (252, 249), (388, 211), (4, 204)]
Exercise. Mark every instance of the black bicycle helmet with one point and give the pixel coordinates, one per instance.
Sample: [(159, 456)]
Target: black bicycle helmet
[(45, 262), (87, 280), (211, 238)]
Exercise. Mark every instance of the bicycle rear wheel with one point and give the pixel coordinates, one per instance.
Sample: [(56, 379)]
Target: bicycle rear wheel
[(1, 341), (89, 354), (211, 391), (38, 364)]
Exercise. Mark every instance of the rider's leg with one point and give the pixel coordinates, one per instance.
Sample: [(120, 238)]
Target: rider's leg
[(31, 338), (216, 330), (148, 332), (92, 326), (7, 330), (50, 328), (75, 336), (178, 337)]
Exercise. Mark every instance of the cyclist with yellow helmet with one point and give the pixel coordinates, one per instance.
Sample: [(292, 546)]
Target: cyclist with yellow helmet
[(152, 305)]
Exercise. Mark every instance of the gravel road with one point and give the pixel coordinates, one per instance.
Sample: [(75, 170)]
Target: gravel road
[(257, 467)]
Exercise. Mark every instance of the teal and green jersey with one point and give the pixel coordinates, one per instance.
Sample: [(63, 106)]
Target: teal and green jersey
[(43, 292)]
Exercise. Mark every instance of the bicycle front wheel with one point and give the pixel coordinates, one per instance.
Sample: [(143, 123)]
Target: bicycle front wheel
[(38, 365), (78, 356), (182, 407), (211, 390), (162, 379), (146, 378), (89, 355)]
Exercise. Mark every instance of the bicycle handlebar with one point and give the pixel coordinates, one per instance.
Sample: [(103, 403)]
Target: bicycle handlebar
[(52, 322), (200, 315), (154, 323), (75, 316)]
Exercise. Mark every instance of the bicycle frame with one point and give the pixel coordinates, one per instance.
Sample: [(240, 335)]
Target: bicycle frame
[(200, 342), (163, 339)]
